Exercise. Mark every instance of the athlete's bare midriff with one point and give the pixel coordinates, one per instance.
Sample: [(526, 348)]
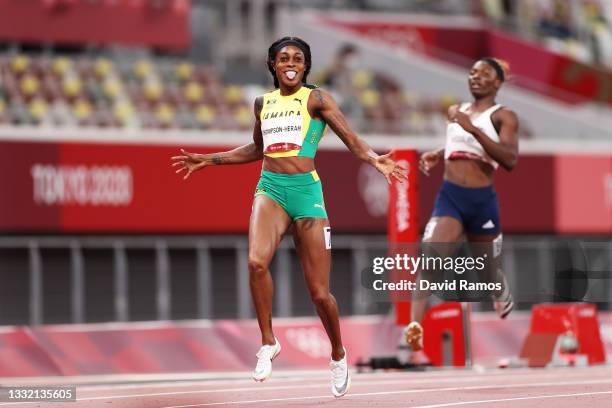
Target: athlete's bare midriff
[(468, 173), (288, 165)]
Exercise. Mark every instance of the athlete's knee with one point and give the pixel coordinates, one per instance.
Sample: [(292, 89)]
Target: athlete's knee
[(320, 297), (257, 266)]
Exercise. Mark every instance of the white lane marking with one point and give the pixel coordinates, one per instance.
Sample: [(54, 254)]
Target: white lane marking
[(324, 380), (455, 404), (422, 390), (259, 388), (379, 379)]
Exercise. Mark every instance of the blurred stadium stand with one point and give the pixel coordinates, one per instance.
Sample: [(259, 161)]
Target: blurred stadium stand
[(162, 93), (68, 91), (581, 29)]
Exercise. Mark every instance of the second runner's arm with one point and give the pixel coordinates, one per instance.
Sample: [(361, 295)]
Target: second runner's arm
[(506, 151)]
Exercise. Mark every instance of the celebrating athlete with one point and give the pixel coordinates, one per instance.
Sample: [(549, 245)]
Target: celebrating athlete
[(289, 123)]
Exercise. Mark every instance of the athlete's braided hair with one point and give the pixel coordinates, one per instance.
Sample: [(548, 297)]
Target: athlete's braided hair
[(501, 67), (280, 44)]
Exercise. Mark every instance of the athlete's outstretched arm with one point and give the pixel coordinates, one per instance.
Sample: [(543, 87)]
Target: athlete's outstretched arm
[(323, 105), (506, 151), (244, 154)]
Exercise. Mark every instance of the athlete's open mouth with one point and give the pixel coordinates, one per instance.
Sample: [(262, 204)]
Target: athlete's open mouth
[(290, 74)]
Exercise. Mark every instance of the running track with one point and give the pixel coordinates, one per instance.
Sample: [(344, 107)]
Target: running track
[(559, 388)]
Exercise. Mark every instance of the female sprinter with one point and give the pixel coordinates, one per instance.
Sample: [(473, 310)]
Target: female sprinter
[(480, 136), (289, 123)]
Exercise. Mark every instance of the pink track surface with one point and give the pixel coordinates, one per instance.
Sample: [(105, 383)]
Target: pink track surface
[(559, 388)]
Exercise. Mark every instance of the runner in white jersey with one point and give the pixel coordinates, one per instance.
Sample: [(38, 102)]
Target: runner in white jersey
[(481, 135)]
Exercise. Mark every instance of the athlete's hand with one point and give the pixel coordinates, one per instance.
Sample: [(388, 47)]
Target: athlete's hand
[(462, 119), (429, 160), (389, 168), (190, 162)]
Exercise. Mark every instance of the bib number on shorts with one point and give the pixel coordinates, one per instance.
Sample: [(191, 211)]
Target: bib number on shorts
[(327, 233)]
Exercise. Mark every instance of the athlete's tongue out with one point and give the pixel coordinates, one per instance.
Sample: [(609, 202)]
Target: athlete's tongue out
[(290, 74)]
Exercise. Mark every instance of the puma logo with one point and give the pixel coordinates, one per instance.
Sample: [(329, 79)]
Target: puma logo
[(299, 100)]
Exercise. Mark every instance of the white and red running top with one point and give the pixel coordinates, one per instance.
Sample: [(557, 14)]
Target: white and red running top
[(463, 145)]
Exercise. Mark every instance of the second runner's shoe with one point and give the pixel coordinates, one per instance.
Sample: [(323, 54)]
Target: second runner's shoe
[(414, 336), (503, 303), (265, 355)]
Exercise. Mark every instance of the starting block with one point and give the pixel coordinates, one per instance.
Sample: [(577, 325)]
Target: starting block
[(563, 334), (446, 341), (446, 337)]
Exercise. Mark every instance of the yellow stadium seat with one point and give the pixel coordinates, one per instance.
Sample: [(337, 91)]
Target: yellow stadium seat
[(61, 65), (19, 64), (143, 69), (370, 98), (29, 85), (153, 90), (183, 71), (243, 116), (38, 108), (205, 115), (82, 109), (193, 92), (103, 67), (72, 86), (164, 113), (112, 88), (233, 94), (123, 111)]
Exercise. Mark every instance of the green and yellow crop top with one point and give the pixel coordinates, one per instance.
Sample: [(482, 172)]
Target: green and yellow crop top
[(287, 128)]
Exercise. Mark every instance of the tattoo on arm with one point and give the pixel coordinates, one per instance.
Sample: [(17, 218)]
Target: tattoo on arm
[(244, 154), (319, 96), (218, 159)]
